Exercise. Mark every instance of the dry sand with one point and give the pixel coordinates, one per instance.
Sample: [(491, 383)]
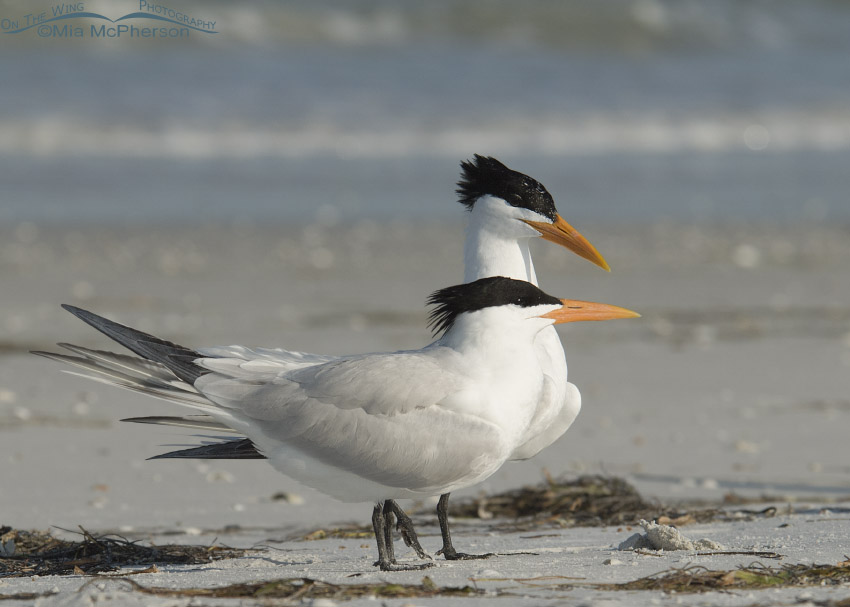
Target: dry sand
[(736, 379)]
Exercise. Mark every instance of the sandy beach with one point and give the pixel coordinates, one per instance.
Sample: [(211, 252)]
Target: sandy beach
[(735, 381), (284, 174)]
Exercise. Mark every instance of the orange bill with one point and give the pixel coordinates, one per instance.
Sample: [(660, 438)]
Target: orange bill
[(574, 311), (562, 233)]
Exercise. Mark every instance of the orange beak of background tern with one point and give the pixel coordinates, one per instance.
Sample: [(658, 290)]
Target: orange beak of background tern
[(562, 233), (574, 311)]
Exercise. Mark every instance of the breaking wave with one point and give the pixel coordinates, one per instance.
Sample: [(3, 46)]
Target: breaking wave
[(587, 135)]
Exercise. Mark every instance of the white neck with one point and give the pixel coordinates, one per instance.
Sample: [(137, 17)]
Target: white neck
[(494, 334), (491, 250), (497, 245)]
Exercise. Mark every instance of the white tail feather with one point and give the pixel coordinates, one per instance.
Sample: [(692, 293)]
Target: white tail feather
[(186, 399), (130, 364)]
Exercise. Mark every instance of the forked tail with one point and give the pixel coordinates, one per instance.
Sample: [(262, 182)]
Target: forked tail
[(165, 370)]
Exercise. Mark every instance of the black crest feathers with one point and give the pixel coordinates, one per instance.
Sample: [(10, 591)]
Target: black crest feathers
[(486, 176), (451, 302)]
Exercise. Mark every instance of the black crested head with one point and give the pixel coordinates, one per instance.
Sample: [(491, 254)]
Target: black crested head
[(484, 175), (451, 302)]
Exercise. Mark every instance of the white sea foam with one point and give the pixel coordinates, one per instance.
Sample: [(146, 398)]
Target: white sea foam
[(593, 134), (612, 24)]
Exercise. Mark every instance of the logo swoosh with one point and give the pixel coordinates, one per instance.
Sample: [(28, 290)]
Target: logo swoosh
[(98, 16), (68, 16)]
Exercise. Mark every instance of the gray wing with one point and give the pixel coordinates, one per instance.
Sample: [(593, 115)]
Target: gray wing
[(366, 415), (275, 360), (380, 384)]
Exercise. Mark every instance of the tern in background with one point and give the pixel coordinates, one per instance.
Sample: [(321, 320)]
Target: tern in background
[(508, 209), (373, 427)]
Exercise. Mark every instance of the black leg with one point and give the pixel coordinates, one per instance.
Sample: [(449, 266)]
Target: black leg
[(389, 521), (385, 559), (405, 528), (380, 537), (448, 551)]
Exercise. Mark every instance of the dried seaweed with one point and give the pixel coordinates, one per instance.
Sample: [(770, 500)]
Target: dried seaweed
[(695, 579), (27, 553), (754, 577), (586, 501), (583, 502), (353, 532), (306, 589)]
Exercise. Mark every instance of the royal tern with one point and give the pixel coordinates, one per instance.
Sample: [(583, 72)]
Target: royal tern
[(373, 427), (507, 209)]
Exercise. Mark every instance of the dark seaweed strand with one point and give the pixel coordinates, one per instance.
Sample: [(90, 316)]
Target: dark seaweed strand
[(484, 175)]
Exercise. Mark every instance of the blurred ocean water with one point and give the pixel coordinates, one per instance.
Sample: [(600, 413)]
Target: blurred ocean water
[(627, 110)]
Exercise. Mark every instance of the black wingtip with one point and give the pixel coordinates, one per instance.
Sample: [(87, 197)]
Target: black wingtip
[(138, 420), (54, 356), (92, 319), (231, 449), (78, 312), (50, 355), (153, 419), (144, 344)]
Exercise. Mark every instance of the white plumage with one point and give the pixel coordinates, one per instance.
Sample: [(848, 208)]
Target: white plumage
[(363, 428), (393, 425)]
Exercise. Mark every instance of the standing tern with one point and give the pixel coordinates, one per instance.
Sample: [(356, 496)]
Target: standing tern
[(508, 209), (373, 427)]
